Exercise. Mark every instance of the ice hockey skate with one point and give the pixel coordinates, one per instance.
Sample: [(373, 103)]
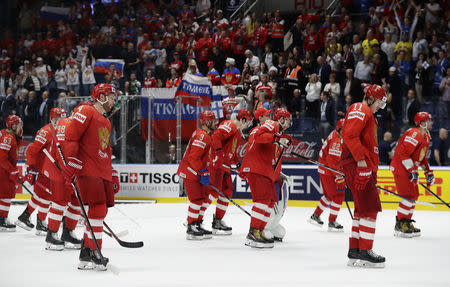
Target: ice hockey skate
[(415, 230), (91, 260), (219, 227), (369, 259), (193, 232), (256, 239), (403, 229), (23, 220), (315, 220), (335, 227), (207, 234), (353, 257), (70, 240), (6, 225), (41, 228), (52, 241)]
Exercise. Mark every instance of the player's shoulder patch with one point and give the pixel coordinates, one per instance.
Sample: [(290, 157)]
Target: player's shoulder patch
[(356, 115), (269, 124), (79, 117)]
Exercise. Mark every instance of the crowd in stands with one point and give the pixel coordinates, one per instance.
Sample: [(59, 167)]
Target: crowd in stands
[(401, 45)]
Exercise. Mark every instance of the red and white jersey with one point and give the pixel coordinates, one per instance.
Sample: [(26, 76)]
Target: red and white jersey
[(196, 157), (150, 83), (410, 152), (60, 136), (8, 151), (330, 154), (359, 136), (262, 152), (87, 138), (35, 154), (228, 107), (227, 138)]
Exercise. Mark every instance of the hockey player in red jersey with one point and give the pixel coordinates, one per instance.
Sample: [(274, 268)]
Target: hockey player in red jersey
[(62, 199), (193, 170), (333, 185), (9, 173), (87, 155), (224, 143), (261, 167), (38, 176), (409, 154), (359, 162)]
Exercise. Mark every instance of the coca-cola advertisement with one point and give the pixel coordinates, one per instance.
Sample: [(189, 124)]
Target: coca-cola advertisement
[(308, 148)]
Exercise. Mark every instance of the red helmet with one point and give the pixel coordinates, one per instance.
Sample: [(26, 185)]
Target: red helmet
[(261, 112), (205, 116), (105, 89), (420, 117), (281, 113), (57, 113), (12, 120), (378, 93), (244, 114), (340, 124)]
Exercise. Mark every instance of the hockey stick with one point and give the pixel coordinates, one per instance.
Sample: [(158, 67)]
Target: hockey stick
[(435, 195), (77, 193), (232, 201), (330, 169), (410, 200), (122, 243)]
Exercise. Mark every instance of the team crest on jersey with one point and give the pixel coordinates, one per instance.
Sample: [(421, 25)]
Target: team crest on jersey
[(103, 136), (80, 117)]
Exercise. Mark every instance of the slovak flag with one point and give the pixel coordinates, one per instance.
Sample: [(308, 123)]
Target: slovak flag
[(195, 90)]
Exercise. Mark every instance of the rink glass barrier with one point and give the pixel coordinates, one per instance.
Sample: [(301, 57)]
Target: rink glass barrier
[(150, 132)]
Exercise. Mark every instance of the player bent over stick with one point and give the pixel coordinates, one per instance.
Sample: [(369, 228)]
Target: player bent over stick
[(38, 176), (359, 162), (262, 166), (9, 173), (193, 170), (409, 154), (333, 184), (224, 142), (87, 155)]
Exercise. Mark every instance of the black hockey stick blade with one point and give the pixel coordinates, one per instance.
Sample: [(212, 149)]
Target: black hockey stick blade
[(122, 243)]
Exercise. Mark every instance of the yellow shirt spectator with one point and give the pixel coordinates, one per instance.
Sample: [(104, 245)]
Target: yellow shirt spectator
[(404, 46), (367, 46)]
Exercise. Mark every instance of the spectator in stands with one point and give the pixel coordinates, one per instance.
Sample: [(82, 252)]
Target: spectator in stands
[(334, 59), (444, 87), (326, 115), (404, 46), (231, 75), (404, 68), (368, 43), (323, 70), (342, 108), (251, 60), (73, 77), (60, 77), (383, 56), (440, 68), (422, 78), (132, 60), (174, 79), (313, 41), (213, 74), (412, 108), (134, 85), (308, 64), (348, 60), (388, 47), (379, 71), (385, 149), (172, 155), (44, 108), (439, 155), (312, 90), (202, 50), (363, 69), (276, 32), (21, 103), (333, 88), (262, 101), (295, 106), (87, 75), (163, 73), (32, 83), (4, 84), (432, 12), (31, 120)]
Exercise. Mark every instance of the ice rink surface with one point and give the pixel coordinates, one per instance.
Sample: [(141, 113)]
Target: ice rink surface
[(309, 256)]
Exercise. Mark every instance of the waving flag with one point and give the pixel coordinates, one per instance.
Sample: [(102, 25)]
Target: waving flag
[(195, 90), (50, 15), (102, 65)]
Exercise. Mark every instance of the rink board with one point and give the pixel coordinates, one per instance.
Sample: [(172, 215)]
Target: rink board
[(160, 182)]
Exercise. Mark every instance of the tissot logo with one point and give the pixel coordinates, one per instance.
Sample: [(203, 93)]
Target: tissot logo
[(144, 177)]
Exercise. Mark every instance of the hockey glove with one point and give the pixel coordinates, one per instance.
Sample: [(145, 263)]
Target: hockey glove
[(363, 174), (204, 177), (14, 175), (283, 140), (31, 175), (71, 169), (340, 183), (430, 177), (115, 181), (414, 177), (218, 159)]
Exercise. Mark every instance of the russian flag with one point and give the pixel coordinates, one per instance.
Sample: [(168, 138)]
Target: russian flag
[(195, 90), (50, 15), (102, 65)]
